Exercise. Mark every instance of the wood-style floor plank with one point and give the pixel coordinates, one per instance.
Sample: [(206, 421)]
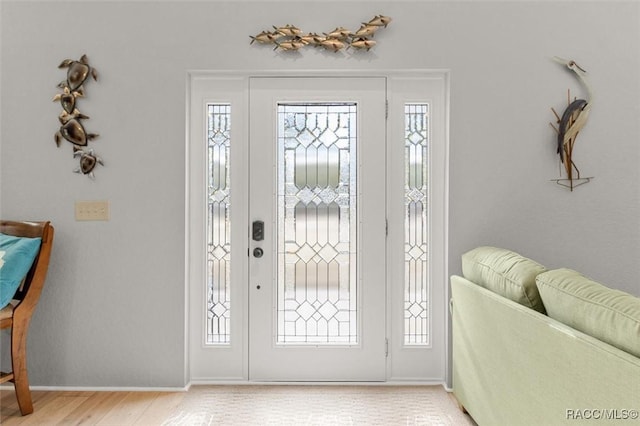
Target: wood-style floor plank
[(91, 411), (56, 410), (40, 400), (161, 408), (130, 409), (9, 404)]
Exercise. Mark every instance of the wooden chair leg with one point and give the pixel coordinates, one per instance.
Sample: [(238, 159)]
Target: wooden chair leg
[(19, 364)]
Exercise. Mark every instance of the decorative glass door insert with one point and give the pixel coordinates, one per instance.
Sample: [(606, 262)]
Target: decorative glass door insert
[(218, 327), (416, 327), (317, 242)]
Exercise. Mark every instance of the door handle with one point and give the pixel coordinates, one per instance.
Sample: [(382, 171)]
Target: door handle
[(258, 252), (257, 230)]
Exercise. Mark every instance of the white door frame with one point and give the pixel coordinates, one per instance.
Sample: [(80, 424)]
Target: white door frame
[(234, 86)]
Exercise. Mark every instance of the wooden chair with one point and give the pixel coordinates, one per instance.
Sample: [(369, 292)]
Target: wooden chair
[(17, 315)]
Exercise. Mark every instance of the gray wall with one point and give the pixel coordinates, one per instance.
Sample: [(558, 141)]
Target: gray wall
[(112, 313)]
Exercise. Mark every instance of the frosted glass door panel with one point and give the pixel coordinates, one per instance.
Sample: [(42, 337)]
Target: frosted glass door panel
[(317, 243), (416, 315), (218, 323)]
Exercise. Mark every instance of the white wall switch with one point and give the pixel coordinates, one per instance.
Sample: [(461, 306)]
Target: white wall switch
[(92, 210)]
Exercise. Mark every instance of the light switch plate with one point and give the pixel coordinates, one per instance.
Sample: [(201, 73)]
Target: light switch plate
[(92, 210)]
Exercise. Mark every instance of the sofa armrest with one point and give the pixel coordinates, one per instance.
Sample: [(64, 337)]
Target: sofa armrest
[(512, 365)]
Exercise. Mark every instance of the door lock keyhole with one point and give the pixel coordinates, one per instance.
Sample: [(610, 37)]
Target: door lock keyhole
[(258, 252)]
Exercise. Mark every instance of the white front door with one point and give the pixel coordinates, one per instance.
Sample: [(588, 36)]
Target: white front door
[(344, 180), (317, 236)]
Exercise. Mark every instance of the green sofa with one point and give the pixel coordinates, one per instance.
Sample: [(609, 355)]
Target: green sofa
[(538, 347)]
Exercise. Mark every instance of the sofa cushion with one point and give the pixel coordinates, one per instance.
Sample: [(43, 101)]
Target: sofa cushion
[(506, 273), (609, 315)]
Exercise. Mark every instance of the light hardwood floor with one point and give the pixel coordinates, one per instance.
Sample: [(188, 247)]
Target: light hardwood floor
[(91, 408), (242, 405)]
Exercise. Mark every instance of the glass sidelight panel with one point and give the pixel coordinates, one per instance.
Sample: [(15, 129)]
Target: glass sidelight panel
[(317, 168), (218, 225), (416, 306)]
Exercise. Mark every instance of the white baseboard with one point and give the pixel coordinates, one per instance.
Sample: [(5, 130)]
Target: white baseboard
[(240, 382), (203, 382), (104, 388)]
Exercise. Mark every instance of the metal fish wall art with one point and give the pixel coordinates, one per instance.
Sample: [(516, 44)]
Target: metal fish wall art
[(291, 38), (71, 119), (340, 33), (265, 37)]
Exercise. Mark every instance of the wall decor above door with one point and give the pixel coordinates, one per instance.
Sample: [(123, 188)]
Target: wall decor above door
[(291, 38)]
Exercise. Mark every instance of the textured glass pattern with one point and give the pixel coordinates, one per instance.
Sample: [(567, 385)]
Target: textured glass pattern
[(317, 169), (416, 313), (218, 225)]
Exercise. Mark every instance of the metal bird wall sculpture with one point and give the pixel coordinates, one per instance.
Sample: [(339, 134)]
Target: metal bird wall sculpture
[(573, 119)]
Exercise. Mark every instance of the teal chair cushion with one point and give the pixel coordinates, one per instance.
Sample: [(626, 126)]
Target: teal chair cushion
[(16, 257)]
